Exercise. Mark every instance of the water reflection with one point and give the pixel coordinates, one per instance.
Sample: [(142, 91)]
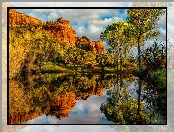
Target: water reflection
[(77, 99)]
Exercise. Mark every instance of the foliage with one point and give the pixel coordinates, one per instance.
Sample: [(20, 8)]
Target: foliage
[(145, 26), (154, 57), (115, 37), (159, 79), (30, 48), (144, 22)]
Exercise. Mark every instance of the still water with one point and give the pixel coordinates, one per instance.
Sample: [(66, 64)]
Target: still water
[(83, 99)]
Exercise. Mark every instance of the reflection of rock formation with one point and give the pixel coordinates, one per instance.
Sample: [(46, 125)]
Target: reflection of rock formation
[(62, 30), (62, 105), (20, 117), (95, 90)]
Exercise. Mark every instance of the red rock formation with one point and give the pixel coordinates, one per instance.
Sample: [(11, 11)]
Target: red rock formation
[(65, 33), (97, 47), (62, 30), (17, 18), (94, 46)]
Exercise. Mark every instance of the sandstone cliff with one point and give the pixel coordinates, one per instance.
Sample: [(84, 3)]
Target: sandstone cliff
[(17, 18), (83, 42), (62, 30), (97, 47)]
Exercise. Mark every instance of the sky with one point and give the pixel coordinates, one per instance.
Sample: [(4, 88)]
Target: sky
[(88, 23)]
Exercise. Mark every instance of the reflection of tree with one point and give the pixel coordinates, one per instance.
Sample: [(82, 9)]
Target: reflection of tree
[(156, 95), (120, 108), (52, 94)]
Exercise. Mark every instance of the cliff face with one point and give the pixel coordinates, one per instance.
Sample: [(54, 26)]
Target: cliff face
[(17, 18), (82, 42), (62, 30)]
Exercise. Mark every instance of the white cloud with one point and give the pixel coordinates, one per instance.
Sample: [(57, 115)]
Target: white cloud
[(105, 22), (52, 15)]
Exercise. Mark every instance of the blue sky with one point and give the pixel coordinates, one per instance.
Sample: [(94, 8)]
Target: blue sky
[(90, 24)]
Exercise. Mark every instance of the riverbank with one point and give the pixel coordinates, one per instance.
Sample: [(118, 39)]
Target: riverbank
[(51, 68)]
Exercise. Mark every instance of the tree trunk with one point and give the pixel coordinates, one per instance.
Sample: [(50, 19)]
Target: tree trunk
[(139, 89), (139, 56)]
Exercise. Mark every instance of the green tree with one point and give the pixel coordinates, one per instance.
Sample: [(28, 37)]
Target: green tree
[(144, 23), (116, 39)]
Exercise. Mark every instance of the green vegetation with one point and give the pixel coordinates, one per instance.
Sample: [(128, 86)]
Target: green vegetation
[(33, 50)]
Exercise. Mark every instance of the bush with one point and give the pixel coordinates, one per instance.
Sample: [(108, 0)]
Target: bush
[(154, 57)]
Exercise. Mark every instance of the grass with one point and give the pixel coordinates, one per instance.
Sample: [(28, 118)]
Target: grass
[(75, 67), (53, 68)]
